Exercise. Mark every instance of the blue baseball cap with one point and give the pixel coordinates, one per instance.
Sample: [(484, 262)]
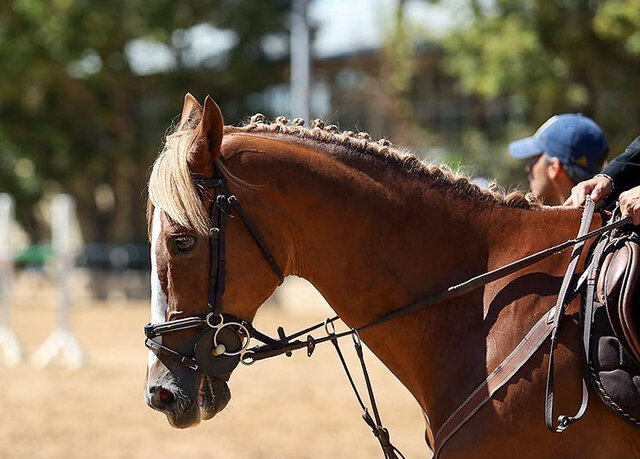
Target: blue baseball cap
[(576, 140)]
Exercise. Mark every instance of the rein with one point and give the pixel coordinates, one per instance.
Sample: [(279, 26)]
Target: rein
[(266, 351), (224, 341)]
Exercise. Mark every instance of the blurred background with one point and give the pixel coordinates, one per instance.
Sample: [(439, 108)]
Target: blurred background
[(89, 87)]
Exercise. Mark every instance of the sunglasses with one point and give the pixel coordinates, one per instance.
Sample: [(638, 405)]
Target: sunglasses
[(532, 162)]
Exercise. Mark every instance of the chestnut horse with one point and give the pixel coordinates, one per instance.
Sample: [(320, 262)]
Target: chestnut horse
[(372, 229)]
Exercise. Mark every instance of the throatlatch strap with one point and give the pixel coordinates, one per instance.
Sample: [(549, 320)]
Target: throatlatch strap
[(565, 421), (256, 237)]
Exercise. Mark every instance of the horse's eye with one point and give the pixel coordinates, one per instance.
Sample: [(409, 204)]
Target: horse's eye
[(184, 244)]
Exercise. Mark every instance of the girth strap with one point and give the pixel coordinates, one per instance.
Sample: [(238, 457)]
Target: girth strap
[(498, 378), (547, 324), (565, 421)]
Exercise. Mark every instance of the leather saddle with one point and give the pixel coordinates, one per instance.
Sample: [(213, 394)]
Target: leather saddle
[(614, 348), (618, 289)]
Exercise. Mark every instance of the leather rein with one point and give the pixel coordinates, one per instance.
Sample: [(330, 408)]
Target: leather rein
[(224, 338)]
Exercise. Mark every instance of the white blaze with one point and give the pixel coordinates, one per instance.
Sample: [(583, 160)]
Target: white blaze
[(159, 303)]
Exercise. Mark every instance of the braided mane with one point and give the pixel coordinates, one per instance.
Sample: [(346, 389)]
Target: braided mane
[(361, 142)]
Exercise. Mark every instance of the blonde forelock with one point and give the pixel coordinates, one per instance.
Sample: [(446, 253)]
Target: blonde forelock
[(171, 187)]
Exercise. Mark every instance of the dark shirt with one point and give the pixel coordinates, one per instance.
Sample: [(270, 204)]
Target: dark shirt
[(625, 169)]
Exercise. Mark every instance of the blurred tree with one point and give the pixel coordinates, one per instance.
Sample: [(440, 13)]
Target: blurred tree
[(555, 56), (399, 65), (89, 86)]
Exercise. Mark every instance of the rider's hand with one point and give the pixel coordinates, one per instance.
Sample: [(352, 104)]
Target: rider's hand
[(598, 187), (630, 204)]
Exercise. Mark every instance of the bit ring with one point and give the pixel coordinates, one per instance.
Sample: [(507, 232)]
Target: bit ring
[(243, 331), (329, 327)]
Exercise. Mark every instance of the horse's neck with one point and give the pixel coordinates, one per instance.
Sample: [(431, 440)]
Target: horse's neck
[(367, 256), (371, 246), (370, 256), (382, 258)]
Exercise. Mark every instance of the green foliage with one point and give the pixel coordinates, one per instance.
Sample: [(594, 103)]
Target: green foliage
[(619, 22), (498, 54), (559, 55), (399, 53), (74, 116)]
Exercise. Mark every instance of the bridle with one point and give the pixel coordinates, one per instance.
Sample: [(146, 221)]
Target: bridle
[(224, 338)]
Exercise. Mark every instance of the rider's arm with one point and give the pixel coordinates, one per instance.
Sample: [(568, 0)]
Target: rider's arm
[(621, 174), (630, 204), (624, 170)]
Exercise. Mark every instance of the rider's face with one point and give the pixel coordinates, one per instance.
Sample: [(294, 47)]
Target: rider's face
[(539, 181)]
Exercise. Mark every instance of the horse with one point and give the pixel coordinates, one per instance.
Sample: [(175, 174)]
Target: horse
[(372, 228)]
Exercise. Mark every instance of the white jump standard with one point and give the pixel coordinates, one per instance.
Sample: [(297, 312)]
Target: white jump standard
[(62, 347), (10, 350)]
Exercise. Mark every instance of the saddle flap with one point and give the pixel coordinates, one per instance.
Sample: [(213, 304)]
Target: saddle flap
[(611, 274), (617, 289)]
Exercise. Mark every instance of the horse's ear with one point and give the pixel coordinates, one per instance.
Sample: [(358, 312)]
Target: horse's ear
[(191, 113), (207, 140)]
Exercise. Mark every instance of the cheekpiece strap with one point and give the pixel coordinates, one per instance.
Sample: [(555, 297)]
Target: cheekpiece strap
[(222, 204), (217, 220)]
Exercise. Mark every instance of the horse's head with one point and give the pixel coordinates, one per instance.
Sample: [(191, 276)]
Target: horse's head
[(189, 366)]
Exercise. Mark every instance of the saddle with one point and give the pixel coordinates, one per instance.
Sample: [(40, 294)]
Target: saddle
[(613, 360), (618, 289)]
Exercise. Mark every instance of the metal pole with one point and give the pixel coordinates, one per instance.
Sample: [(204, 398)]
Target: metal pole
[(300, 61)]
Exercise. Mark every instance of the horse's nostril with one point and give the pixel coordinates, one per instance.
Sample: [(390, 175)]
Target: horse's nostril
[(165, 395), (161, 398)]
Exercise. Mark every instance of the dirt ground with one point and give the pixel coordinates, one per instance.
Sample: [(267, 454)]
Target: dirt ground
[(282, 408)]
